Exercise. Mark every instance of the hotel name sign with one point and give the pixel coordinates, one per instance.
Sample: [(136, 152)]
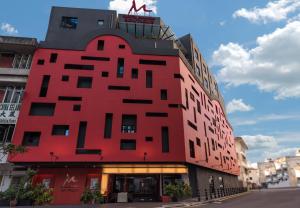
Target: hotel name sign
[(9, 113)]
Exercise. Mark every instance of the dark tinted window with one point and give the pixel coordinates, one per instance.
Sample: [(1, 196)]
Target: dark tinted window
[(44, 87), (60, 130), (129, 123), (31, 138), (134, 73), (42, 109), (84, 82), (108, 125), (192, 149), (100, 45), (163, 94), (53, 57), (81, 134), (69, 22), (128, 144), (165, 139), (120, 69), (148, 79)]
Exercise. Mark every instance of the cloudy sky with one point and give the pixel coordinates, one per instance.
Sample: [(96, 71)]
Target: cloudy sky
[(252, 46)]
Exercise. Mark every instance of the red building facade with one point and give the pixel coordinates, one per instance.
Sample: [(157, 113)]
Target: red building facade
[(116, 102)]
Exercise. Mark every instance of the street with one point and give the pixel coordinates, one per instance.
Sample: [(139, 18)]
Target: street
[(272, 198), (269, 198)]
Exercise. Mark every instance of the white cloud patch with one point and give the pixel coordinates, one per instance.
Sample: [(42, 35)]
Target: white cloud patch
[(274, 11), (123, 6), (273, 65), (259, 141), (8, 28), (264, 118), (262, 147), (222, 23), (238, 105)]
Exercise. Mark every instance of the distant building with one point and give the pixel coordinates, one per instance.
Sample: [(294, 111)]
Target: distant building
[(253, 177), (15, 61), (241, 148), (281, 172)]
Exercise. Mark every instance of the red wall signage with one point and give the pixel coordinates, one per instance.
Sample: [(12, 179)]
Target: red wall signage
[(139, 19)]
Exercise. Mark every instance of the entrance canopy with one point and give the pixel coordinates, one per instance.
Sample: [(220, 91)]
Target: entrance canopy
[(144, 169)]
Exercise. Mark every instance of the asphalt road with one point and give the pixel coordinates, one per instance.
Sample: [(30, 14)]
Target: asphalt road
[(270, 198)]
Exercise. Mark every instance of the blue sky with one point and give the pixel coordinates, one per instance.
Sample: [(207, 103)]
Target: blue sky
[(252, 46)]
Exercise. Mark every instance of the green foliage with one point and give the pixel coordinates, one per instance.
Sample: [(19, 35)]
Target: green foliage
[(12, 149), (93, 196), (87, 196), (42, 195), (178, 190), (39, 194), (10, 194)]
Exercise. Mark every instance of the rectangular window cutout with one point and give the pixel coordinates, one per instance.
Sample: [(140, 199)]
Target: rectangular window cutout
[(121, 46), (62, 130), (156, 114), (198, 106), (186, 99), (193, 88), (44, 87), (205, 131), (195, 115), (108, 125), (198, 141), (178, 76), (206, 155), (149, 79), (41, 62), (120, 69), (135, 101), (164, 94), (69, 98), (94, 58), (69, 22), (79, 67), (42, 109), (129, 123), (81, 134), (128, 144), (110, 87), (53, 57), (192, 125), (177, 106), (76, 107), (100, 22), (88, 152), (134, 73), (100, 45), (105, 74), (165, 139), (153, 62), (65, 78), (211, 130), (84, 82), (191, 79), (31, 139), (192, 96), (149, 139), (192, 149)]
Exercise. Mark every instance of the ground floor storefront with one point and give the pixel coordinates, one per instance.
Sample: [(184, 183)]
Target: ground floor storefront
[(128, 182)]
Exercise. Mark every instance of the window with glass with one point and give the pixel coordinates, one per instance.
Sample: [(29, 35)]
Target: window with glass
[(69, 22), (129, 123)]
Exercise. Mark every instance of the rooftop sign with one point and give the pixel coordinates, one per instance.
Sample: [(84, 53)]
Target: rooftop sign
[(135, 9)]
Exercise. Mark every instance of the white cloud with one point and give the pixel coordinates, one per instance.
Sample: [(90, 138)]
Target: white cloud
[(8, 28), (273, 11), (264, 118), (123, 6), (238, 105), (256, 142), (273, 65)]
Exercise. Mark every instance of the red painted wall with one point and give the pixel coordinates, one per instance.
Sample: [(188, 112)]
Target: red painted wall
[(99, 100), (223, 133), (67, 193)]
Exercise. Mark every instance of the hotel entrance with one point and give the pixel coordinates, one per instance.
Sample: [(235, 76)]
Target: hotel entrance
[(138, 188), (138, 183)]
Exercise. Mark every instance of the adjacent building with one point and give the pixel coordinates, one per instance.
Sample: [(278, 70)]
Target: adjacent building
[(253, 178), (241, 148), (15, 61), (117, 101)]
